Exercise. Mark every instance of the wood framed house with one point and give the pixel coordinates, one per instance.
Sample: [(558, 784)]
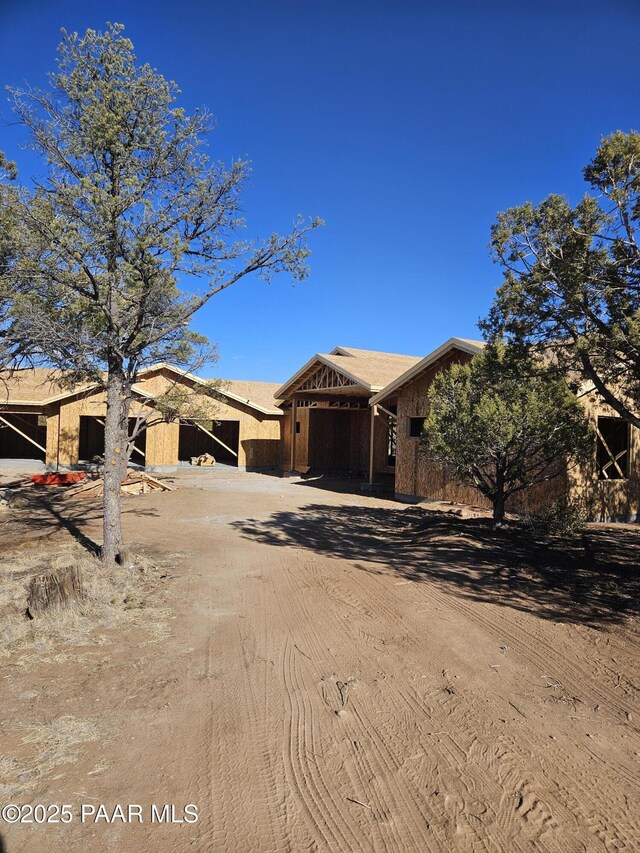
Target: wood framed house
[(328, 424), (609, 482), (347, 412)]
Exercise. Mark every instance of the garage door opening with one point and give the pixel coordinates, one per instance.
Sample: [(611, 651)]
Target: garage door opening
[(23, 436), (92, 440), (196, 439)]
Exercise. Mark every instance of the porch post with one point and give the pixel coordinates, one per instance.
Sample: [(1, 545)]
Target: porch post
[(294, 418), (372, 430)]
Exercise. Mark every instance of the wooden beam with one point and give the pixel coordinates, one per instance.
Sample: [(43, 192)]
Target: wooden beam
[(215, 438), (372, 432), (15, 429), (330, 398), (325, 377), (614, 459), (294, 422), (387, 412)]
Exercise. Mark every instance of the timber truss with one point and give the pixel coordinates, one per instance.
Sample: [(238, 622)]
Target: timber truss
[(325, 378), (309, 403)]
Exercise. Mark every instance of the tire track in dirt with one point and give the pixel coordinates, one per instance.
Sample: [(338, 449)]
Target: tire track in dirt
[(584, 780), (544, 654), (457, 764), (313, 790), (416, 760), (249, 801), (532, 809), (548, 659), (454, 762), (411, 824), (456, 767)]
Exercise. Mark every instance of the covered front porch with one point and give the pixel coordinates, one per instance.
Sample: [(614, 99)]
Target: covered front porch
[(330, 427)]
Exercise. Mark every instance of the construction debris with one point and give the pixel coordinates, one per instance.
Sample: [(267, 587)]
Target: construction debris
[(203, 459), (6, 497), (58, 478), (135, 483)]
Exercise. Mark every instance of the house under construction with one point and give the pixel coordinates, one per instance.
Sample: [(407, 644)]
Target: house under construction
[(348, 412)]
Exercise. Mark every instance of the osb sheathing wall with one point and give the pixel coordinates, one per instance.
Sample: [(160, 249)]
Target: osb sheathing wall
[(608, 500), (259, 438), (605, 500), (381, 445), (416, 475), (302, 440), (338, 439), (64, 425)]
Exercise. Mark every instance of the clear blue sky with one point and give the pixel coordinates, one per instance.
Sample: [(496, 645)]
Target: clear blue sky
[(405, 125)]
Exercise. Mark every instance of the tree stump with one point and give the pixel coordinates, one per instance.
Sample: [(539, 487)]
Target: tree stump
[(54, 591)]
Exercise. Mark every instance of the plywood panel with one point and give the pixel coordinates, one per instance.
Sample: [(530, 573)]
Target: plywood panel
[(302, 439), (415, 474), (380, 445), (260, 443), (338, 439), (608, 499), (53, 423), (162, 444)]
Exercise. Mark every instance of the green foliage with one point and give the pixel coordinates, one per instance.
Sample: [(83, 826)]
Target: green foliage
[(564, 516), (7, 168), (572, 277), (182, 401), (502, 424), (8, 248)]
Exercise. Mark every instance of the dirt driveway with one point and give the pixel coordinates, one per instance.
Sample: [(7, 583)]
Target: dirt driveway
[(335, 681)]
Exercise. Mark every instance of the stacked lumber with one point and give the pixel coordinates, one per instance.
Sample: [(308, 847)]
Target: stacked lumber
[(203, 459), (135, 483)]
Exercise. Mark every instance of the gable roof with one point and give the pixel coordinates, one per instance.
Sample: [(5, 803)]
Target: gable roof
[(32, 385), (463, 344), (369, 369), (255, 395), (41, 386)]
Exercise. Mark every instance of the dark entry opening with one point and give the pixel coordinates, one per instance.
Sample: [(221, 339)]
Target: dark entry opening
[(612, 451), (92, 440), (194, 441), (13, 445)]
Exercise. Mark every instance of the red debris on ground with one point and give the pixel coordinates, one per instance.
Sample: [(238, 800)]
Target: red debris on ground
[(58, 478)]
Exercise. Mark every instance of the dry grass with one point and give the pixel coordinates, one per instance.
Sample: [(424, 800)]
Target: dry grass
[(111, 599), (55, 744)]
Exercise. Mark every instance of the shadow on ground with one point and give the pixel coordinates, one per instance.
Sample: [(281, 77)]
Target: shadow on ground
[(589, 578), (46, 511), (354, 485)]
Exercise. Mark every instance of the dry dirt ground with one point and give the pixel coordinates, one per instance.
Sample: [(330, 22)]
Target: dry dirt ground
[(339, 672)]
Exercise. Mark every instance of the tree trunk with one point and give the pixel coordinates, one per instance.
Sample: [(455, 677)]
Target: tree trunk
[(115, 465), (498, 499)]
